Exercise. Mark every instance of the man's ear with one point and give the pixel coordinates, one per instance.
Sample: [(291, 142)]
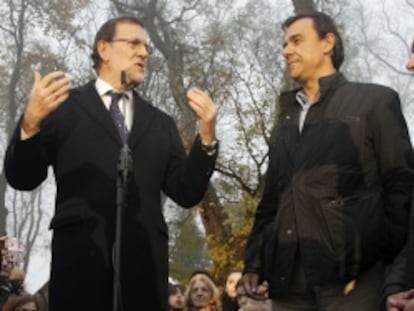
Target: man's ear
[(330, 40), (103, 48)]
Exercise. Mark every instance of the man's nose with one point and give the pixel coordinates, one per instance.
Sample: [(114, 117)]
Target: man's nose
[(286, 50), (410, 63)]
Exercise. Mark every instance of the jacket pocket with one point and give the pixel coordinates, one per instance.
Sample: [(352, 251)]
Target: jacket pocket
[(71, 243), (354, 224), (68, 213)]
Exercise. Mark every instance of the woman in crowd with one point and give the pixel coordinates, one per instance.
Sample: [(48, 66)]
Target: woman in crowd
[(229, 296), (202, 295), (175, 297)]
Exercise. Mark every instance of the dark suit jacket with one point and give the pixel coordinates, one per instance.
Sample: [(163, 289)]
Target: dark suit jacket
[(81, 143), (399, 275), (337, 193)]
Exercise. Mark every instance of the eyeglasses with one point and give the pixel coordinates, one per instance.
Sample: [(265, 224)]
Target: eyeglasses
[(135, 44)]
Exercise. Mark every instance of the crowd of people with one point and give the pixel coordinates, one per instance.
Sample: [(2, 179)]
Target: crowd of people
[(13, 294), (202, 293)]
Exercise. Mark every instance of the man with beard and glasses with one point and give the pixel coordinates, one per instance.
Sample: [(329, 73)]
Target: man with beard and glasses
[(80, 133)]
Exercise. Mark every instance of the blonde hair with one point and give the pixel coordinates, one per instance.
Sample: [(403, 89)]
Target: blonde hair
[(17, 274), (215, 294)]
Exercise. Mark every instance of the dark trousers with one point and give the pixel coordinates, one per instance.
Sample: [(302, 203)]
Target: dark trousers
[(364, 296)]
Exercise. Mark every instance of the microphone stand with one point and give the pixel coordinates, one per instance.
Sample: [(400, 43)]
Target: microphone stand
[(124, 170)]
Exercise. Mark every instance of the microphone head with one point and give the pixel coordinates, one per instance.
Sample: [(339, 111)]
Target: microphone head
[(123, 78)]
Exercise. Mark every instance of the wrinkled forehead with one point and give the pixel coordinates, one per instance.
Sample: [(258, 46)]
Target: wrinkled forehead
[(129, 28)]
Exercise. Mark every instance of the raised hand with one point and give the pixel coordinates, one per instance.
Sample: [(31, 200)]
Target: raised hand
[(46, 95), (206, 111)]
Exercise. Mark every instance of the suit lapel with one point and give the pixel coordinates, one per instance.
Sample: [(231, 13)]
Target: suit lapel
[(89, 99), (143, 115)]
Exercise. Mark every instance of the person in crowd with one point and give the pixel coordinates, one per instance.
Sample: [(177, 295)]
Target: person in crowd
[(11, 283), (79, 133), (399, 278), (17, 277), (202, 294), (229, 295), (339, 183), (175, 297), (204, 272), (22, 303)]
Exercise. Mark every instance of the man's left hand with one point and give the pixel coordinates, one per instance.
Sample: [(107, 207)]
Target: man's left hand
[(206, 110)]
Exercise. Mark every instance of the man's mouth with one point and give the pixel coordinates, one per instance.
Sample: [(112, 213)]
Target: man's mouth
[(140, 66)]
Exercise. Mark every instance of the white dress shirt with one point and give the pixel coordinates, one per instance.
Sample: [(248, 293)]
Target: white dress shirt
[(126, 104)]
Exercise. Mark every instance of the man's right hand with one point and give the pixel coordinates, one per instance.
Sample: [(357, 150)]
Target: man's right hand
[(46, 95), (253, 289)]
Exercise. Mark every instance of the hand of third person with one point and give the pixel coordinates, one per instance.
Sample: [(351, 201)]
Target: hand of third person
[(253, 288), (398, 301)]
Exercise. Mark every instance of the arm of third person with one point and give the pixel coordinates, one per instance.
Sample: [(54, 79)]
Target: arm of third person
[(46, 95)]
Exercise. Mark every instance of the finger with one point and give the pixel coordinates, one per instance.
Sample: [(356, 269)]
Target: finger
[(196, 94), (57, 85), (196, 91), (410, 293), (55, 93), (261, 290), (196, 107), (60, 86), (51, 77), (252, 280), (246, 283), (36, 78), (56, 99), (203, 103)]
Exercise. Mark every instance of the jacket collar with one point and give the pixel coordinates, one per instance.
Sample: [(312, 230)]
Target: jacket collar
[(330, 82), (89, 99)]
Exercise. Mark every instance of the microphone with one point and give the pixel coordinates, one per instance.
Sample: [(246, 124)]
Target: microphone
[(124, 89), (125, 158), (123, 80)]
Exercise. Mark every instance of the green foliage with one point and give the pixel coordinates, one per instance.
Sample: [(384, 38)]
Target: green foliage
[(229, 254), (188, 250)]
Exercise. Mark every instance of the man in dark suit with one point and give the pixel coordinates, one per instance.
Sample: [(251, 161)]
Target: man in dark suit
[(72, 130)]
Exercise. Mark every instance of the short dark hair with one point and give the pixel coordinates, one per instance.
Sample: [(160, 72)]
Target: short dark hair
[(106, 33), (174, 288), (323, 24)]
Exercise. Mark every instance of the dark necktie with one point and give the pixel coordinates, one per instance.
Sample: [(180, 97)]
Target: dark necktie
[(117, 115)]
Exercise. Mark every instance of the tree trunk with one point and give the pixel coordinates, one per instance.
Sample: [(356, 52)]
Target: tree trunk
[(303, 5)]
